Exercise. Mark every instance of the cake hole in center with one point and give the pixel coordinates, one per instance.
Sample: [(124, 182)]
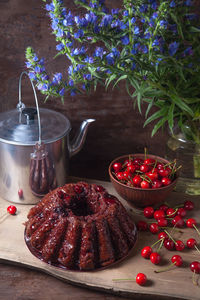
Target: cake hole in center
[(80, 207)]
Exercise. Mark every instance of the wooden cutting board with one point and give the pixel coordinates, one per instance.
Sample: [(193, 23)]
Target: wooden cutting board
[(174, 283)]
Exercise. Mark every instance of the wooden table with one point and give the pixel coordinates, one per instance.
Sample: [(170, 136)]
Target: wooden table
[(19, 283)]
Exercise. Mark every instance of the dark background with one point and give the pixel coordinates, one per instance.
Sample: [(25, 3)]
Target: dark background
[(118, 128)]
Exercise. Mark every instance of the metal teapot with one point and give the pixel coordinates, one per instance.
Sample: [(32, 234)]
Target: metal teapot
[(35, 149)]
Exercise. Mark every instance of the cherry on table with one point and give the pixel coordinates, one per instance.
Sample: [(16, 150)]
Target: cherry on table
[(189, 205), (142, 225), (164, 207), (177, 260), (191, 222), (195, 267), (178, 222), (191, 243), (171, 212), (179, 245), (162, 222), (155, 258), (181, 212), (169, 244), (146, 252), (141, 278), (154, 228), (162, 235), (11, 209), (148, 212), (158, 214)]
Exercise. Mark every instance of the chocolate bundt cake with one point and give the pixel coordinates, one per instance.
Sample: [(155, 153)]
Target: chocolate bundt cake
[(81, 227)]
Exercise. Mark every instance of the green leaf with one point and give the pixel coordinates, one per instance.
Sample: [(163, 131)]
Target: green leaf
[(150, 105), (194, 29), (160, 123), (119, 79), (171, 117), (108, 81), (182, 105), (160, 113)]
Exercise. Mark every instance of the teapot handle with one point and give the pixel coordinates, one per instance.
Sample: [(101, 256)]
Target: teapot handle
[(21, 105)]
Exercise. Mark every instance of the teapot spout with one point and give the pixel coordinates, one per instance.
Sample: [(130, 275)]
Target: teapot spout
[(77, 143)]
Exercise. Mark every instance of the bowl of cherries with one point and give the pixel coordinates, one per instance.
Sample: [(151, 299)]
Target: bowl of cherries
[(143, 179)]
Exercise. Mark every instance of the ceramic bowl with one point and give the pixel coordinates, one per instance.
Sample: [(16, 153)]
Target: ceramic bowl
[(138, 197)]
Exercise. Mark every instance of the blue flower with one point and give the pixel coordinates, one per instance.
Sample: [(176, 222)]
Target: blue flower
[(35, 58), (69, 19), (41, 62), (173, 47), (87, 76), (44, 77), (50, 7), (143, 8), (32, 76), (37, 69), (57, 78), (91, 17), (62, 92), (125, 40), (155, 15), (163, 23), (172, 3), (110, 59), (136, 30), (71, 82), (73, 92), (135, 48), (89, 60), (43, 87), (28, 64), (188, 2), (99, 52), (59, 47), (114, 11), (125, 13), (60, 33), (79, 34), (133, 20), (106, 20), (115, 52)]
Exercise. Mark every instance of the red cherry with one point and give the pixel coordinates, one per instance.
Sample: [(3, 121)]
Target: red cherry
[(148, 212), (179, 245), (162, 235), (146, 252), (164, 172), (141, 279), (126, 175), (153, 175), (131, 169), (137, 180), (191, 223), (178, 222), (159, 166), (170, 213), (11, 209), (188, 205), (144, 168), (191, 243), (158, 214), (155, 258), (195, 267), (162, 222), (120, 175), (156, 184), (164, 207), (142, 225), (181, 212), (149, 161), (136, 166), (169, 244), (144, 184), (153, 227), (138, 161), (177, 260), (166, 181), (117, 166)]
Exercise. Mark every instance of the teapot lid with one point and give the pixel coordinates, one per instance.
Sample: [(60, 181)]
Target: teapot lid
[(20, 127)]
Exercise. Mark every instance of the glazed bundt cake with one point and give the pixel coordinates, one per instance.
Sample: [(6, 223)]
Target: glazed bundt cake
[(81, 227)]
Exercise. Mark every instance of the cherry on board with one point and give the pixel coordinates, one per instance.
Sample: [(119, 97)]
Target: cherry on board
[(142, 225), (154, 228), (146, 252), (179, 245), (191, 243), (189, 205), (155, 258), (148, 212), (141, 278)]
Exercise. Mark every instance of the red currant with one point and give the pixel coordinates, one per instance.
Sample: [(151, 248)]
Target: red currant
[(178, 222), (141, 279), (148, 212), (12, 209), (158, 214), (177, 260), (179, 245), (195, 267), (153, 227), (142, 225), (117, 166), (146, 252), (189, 205), (191, 223), (191, 243), (144, 184), (155, 258)]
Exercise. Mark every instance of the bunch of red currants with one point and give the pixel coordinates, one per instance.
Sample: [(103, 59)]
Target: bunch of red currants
[(144, 173)]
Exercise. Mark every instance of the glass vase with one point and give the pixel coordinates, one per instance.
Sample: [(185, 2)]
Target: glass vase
[(187, 154)]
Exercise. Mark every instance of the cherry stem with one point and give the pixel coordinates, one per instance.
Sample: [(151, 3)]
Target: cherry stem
[(193, 278), (123, 279), (145, 153), (196, 229), (169, 235), (197, 248), (172, 215), (157, 242), (161, 244), (167, 268), (154, 165)]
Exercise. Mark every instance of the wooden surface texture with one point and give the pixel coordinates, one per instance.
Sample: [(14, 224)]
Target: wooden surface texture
[(175, 283)]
